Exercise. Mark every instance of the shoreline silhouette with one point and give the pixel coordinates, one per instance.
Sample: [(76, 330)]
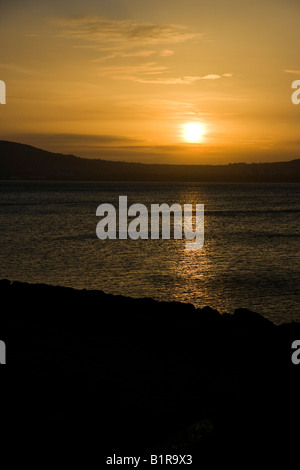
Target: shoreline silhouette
[(158, 375)]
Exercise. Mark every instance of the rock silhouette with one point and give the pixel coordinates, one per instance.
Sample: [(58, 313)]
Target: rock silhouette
[(154, 375)]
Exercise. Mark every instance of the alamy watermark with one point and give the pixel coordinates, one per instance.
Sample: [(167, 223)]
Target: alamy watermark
[(2, 92), (2, 352), (296, 94), (144, 225), (296, 354)]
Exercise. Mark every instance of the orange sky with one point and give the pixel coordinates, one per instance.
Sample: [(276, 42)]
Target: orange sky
[(120, 79)]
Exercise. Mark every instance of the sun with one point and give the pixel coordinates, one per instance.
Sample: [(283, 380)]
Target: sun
[(193, 131)]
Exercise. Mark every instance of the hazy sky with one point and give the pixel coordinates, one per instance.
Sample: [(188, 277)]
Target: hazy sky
[(120, 79)]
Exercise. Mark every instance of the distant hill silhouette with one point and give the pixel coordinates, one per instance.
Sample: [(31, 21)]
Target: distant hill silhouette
[(19, 161)]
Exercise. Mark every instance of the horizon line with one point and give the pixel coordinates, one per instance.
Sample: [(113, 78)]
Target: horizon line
[(150, 164)]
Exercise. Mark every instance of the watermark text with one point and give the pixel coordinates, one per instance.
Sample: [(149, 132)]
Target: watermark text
[(144, 225), (296, 354), (2, 92), (296, 94), (2, 352)]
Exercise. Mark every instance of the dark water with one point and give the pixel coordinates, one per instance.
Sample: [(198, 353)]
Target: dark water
[(250, 256)]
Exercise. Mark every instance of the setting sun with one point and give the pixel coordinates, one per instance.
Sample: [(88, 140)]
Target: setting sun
[(193, 131)]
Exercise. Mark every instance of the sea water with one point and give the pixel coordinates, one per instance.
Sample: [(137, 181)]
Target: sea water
[(250, 256)]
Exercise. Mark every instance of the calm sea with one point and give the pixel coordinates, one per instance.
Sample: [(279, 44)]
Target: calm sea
[(250, 256)]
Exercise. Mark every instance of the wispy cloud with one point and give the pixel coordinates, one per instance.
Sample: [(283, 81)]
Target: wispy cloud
[(137, 53), (187, 80), (61, 141), (131, 72), (121, 32), (142, 73), (130, 41), (296, 72), (95, 140), (166, 53), (119, 54)]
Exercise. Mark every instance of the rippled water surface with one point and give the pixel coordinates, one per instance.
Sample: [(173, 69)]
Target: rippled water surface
[(250, 256)]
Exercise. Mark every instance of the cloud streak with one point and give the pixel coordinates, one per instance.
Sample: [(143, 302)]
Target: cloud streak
[(142, 73), (296, 72), (135, 54), (123, 32), (79, 140), (186, 80)]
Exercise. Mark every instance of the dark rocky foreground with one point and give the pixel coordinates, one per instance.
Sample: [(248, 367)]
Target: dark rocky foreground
[(146, 376)]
